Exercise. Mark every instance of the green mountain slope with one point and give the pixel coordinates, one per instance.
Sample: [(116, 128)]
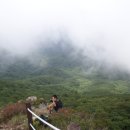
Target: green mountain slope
[(79, 81), (58, 66)]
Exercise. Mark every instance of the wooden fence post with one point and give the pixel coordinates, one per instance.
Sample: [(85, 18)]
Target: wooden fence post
[(29, 115)]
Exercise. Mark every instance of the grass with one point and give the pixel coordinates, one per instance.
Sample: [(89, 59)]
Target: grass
[(105, 104), (90, 112)]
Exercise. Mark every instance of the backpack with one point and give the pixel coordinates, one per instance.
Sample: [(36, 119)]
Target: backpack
[(60, 104)]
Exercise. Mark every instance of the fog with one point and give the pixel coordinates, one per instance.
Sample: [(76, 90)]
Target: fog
[(101, 28)]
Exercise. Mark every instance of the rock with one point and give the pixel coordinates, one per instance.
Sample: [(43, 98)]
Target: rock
[(31, 99), (20, 101), (42, 105), (42, 111), (73, 126), (41, 100)]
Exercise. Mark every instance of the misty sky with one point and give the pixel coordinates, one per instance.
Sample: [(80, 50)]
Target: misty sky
[(100, 27)]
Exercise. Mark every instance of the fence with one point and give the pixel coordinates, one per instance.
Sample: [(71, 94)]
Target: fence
[(30, 122)]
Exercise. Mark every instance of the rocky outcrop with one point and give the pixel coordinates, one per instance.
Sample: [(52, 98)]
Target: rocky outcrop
[(31, 99)]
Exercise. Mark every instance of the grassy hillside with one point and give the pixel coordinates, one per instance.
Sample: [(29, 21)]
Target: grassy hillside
[(73, 81), (95, 105), (108, 101), (102, 96)]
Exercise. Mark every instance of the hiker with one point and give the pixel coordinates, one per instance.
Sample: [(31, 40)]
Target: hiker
[(55, 104)]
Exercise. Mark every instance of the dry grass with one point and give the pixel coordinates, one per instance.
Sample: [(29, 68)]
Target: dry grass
[(11, 110)]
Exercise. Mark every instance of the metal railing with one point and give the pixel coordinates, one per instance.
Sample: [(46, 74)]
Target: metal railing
[(30, 122)]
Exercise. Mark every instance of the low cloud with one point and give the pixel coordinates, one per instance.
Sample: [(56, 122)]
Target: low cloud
[(100, 28)]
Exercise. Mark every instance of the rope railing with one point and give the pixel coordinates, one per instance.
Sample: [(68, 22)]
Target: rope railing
[(29, 115), (32, 126)]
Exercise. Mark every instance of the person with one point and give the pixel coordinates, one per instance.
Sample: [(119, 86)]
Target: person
[(55, 104)]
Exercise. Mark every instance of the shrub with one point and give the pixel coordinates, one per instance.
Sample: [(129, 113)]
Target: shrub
[(12, 109)]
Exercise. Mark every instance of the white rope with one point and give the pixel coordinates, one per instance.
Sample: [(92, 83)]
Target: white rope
[(32, 126), (50, 125)]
